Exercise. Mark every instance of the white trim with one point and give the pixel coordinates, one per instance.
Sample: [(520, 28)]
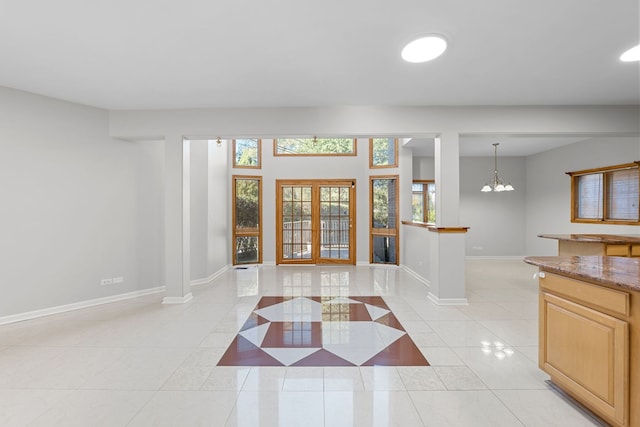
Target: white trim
[(178, 300), (447, 301), (496, 258), (363, 263), (416, 276), (211, 278), (382, 265), (77, 305), (269, 263)]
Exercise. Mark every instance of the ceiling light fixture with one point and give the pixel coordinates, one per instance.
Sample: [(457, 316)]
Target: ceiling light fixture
[(219, 142), (631, 55), (496, 184), (424, 49)]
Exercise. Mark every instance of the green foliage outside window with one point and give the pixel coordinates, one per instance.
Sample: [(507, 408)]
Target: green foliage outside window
[(247, 153), (315, 146), (383, 208), (383, 152), (247, 203)]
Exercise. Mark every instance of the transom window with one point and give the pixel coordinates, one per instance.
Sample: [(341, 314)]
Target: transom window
[(383, 153), (606, 195), (314, 147), (247, 153)]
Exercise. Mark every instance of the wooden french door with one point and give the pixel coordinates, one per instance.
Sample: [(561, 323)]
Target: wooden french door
[(315, 221)]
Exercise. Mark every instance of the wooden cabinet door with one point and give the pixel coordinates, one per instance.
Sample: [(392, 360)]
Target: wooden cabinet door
[(586, 353)]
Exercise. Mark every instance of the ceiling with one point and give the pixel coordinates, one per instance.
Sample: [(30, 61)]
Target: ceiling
[(159, 54), (510, 145)]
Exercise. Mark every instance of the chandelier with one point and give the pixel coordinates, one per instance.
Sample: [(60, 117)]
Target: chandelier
[(496, 184)]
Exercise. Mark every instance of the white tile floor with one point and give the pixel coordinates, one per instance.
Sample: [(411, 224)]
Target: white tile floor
[(141, 363)]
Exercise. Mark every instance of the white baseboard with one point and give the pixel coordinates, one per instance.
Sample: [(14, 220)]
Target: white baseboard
[(77, 305), (211, 278), (447, 301), (416, 276), (178, 300)]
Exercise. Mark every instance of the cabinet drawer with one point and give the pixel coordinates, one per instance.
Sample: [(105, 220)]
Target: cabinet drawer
[(598, 297), (635, 250), (617, 250)]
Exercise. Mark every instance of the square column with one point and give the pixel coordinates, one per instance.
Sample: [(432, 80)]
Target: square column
[(447, 284), (177, 257)]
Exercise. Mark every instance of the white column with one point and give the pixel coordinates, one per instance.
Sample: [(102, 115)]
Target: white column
[(447, 284), (177, 262), (447, 177)]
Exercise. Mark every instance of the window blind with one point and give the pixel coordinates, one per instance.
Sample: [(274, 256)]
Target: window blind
[(622, 189)]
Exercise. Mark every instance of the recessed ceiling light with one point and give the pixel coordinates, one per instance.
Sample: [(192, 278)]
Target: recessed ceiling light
[(424, 49), (631, 55)]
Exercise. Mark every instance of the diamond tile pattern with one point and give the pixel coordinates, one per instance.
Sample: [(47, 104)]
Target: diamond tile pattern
[(322, 331)]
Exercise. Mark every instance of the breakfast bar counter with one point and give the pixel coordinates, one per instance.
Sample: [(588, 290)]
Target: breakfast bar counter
[(626, 245)]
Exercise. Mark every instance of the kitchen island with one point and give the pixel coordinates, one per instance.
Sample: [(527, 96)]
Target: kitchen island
[(627, 245), (589, 331)]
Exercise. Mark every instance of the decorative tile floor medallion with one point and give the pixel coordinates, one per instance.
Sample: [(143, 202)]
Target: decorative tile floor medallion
[(322, 331)]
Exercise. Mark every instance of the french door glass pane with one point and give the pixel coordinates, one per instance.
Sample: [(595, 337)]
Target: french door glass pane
[(334, 222), (296, 222)]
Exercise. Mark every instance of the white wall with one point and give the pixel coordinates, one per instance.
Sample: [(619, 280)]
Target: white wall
[(219, 211), (507, 224), (316, 167), (424, 168), (210, 189), (77, 206), (416, 250), (497, 221), (199, 197), (549, 189)]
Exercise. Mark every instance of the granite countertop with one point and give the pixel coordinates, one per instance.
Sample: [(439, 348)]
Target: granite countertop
[(595, 238), (612, 271)]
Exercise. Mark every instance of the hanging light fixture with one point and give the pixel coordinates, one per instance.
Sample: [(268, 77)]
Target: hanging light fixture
[(219, 142), (496, 184)]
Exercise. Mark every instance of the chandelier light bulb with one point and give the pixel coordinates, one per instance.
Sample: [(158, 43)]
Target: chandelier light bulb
[(496, 184)]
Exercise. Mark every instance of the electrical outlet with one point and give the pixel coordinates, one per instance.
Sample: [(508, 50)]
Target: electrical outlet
[(118, 279), (104, 282)]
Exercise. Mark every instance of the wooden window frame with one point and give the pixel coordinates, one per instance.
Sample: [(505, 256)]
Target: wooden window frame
[(352, 154), (605, 196), (393, 165), (425, 198), (259, 149), (246, 232), (384, 232)]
